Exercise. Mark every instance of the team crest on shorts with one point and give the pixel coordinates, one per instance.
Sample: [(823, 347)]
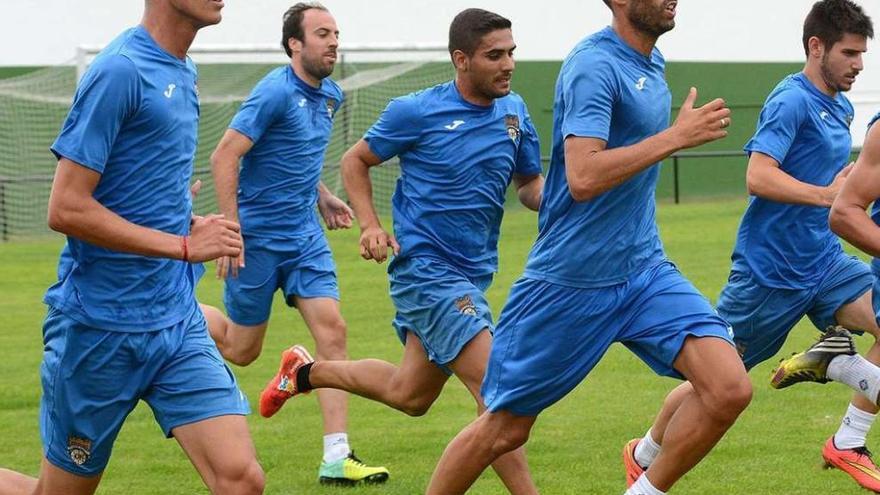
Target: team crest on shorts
[(466, 306), (79, 450), (512, 123)]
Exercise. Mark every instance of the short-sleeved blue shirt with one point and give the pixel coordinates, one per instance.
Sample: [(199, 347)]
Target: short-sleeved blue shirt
[(609, 91), (134, 120), (808, 133), (456, 161), (290, 123)]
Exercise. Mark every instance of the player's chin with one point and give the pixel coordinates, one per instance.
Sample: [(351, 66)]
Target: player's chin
[(501, 88)]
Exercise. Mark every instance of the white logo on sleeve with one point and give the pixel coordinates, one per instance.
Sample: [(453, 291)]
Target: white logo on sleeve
[(302, 103), (168, 92), (640, 84), (454, 125), (823, 115)]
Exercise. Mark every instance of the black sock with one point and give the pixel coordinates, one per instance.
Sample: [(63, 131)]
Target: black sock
[(302, 378)]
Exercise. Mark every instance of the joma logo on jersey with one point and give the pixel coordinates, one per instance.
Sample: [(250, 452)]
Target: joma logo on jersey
[(512, 123), (640, 84), (454, 125), (168, 92)]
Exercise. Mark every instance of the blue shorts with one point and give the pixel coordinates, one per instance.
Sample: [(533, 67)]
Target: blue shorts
[(301, 267), (92, 379), (550, 336), (762, 317), (439, 304)]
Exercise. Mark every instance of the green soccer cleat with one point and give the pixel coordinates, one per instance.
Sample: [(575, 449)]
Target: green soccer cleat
[(350, 471), (812, 364)]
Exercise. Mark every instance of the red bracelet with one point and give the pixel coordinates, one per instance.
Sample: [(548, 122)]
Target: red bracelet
[(184, 242)]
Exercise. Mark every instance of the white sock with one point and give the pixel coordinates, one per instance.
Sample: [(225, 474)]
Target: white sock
[(336, 447), (646, 450), (858, 373), (643, 487), (854, 428)]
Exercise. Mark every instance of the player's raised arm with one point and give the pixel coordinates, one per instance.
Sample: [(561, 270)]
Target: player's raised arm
[(355, 165), (849, 218), (224, 166), (74, 211), (591, 169)]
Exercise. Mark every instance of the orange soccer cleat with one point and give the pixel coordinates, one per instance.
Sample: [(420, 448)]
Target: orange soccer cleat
[(855, 462), (633, 470), (283, 385)]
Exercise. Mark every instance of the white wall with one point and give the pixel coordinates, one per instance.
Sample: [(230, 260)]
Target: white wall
[(45, 32), (41, 32)]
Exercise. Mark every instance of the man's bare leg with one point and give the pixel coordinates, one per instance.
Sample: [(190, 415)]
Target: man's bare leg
[(15, 483), (324, 320), (722, 391), (470, 367), (411, 387), (238, 344), (490, 436), (223, 453)]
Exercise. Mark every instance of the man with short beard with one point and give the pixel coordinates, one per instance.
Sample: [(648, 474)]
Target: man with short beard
[(460, 145), (278, 140), (787, 263), (597, 273)]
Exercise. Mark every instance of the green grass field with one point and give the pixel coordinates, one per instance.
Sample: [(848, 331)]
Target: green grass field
[(575, 447)]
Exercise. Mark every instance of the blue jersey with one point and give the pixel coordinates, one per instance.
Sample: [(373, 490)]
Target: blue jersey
[(605, 90), (134, 120), (456, 161), (289, 123), (807, 133)]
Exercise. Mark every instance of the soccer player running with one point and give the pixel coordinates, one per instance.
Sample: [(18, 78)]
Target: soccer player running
[(279, 137), (123, 323), (850, 220), (597, 273), (787, 263), (460, 144)]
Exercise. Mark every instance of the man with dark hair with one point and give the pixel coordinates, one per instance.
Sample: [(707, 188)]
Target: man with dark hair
[(787, 263), (123, 322), (267, 170), (597, 273), (460, 144)]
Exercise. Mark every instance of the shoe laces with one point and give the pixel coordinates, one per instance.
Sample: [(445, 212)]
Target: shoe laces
[(359, 462), (863, 452)]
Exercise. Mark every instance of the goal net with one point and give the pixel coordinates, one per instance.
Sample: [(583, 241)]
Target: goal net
[(33, 107)]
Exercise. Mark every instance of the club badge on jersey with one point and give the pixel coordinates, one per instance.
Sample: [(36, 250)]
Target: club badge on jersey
[(331, 107), (512, 123)]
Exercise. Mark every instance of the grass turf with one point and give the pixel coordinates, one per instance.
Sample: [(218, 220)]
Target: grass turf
[(575, 446)]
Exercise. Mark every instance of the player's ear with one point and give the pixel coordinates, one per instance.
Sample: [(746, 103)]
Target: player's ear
[(460, 60), (294, 44), (816, 47)]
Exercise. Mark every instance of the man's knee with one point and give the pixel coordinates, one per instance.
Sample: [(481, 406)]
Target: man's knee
[(330, 340), (242, 355), (248, 479), (415, 405), (726, 398), (511, 438)]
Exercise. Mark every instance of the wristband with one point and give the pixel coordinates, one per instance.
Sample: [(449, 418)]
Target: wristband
[(184, 241)]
